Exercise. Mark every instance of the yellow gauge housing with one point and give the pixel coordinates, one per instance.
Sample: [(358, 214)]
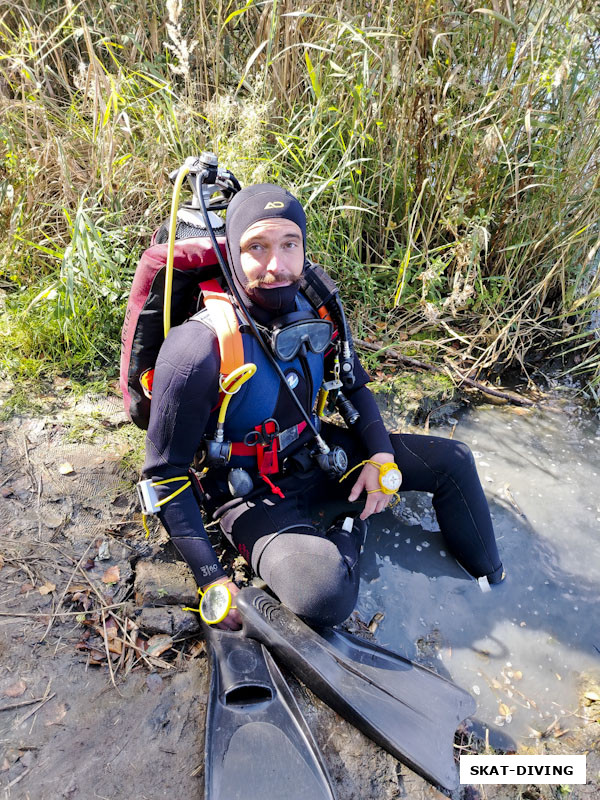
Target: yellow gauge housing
[(390, 478)]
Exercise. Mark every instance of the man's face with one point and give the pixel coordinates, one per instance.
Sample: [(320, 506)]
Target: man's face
[(272, 254)]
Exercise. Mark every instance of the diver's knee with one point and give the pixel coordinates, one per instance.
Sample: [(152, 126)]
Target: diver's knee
[(459, 461), (312, 578)]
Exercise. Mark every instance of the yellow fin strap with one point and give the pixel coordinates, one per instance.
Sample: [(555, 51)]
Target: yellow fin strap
[(176, 492)]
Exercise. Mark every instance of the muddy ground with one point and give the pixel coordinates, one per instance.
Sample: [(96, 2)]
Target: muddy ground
[(104, 679)]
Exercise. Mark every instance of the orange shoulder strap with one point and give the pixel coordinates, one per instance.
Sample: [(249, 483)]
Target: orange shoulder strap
[(223, 317)]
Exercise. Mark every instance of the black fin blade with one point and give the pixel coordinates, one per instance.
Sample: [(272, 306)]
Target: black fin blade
[(407, 709), (257, 743)]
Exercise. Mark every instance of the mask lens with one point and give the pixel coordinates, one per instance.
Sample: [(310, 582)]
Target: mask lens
[(315, 332)]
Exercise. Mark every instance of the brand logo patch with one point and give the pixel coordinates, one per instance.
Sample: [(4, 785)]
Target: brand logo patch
[(274, 204), (292, 380)]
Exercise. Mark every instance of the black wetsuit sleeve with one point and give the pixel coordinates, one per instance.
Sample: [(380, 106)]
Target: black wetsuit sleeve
[(369, 427), (185, 389)]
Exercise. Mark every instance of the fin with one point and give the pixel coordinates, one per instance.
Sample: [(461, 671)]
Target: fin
[(407, 709), (257, 743)]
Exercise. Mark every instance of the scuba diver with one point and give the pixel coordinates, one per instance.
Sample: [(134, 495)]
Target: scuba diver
[(270, 461)]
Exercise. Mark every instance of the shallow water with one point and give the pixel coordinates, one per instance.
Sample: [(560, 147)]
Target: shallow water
[(521, 647)]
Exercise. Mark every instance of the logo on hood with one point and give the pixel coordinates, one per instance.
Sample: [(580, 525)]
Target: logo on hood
[(274, 204)]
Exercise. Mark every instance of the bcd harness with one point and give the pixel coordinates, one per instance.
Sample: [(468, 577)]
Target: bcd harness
[(267, 439), (264, 441)]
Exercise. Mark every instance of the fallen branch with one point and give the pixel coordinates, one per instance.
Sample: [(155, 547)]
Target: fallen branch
[(21, 704), (413, 362)]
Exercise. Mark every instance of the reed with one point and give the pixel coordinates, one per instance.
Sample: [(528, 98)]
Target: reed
[(447, 156)]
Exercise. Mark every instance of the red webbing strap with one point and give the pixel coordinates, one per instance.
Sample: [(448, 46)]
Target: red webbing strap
[(266, 457), (223, 317)]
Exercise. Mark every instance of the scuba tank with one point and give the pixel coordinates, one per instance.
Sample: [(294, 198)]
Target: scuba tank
[(154, 298)]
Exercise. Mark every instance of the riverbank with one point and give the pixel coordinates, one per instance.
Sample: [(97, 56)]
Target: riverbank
[(97, 687)]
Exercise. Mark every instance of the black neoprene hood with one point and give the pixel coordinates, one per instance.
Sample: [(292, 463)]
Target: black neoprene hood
[(252, 204)]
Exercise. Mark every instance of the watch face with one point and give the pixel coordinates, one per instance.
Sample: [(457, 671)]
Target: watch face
[(392, 480)]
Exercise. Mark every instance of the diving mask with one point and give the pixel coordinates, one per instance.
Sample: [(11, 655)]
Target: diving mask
[(290, 332)]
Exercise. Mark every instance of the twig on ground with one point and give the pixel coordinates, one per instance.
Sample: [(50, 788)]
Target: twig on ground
[(56, 613), (16, 780), (43, 701), (107, 648), (21, 704), (65, 590)]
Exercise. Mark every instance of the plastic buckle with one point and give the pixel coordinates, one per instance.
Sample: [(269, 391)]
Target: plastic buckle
[(147, 497)]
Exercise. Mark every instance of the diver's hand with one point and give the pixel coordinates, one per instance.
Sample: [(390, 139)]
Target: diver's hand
[(233, 620), (368, 480)]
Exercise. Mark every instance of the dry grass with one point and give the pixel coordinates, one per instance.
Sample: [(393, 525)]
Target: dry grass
[(447, 156)]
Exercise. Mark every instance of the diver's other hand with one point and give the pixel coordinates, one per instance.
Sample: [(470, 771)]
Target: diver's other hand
[(368, 480), (233, 620)]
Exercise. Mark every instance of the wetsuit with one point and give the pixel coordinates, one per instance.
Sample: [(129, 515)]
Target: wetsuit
[(315, 573)]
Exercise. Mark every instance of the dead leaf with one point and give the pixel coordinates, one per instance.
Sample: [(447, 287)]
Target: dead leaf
[(1, 561), (65, 468), (517, 675), (97, 657), (112, 575), (61, 712), (26, 587), (504, 710), (46, 588), (157, 645), (591, 697), (15, 689), (115, 646)]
